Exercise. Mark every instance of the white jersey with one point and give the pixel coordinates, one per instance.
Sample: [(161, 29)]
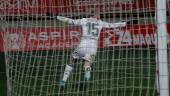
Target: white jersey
[(91, 28)]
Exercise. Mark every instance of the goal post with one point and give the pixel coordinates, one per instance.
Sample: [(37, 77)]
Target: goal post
[(38, 46), (163, 73)]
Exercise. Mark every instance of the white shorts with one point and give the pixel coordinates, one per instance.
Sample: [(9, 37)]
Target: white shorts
[(86, 50)]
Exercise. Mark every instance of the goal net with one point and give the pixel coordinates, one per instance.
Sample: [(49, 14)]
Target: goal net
[(38, 46)]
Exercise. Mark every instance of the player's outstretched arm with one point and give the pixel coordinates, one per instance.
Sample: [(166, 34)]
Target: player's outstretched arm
[(68, 20), (120, 24), (114, 25)]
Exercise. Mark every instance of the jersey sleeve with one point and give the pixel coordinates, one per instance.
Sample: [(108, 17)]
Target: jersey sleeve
[(113, 25), (70, 21)]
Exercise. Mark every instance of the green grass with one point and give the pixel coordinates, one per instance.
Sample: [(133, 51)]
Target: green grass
[(122, 72), (3, 87), (2, 75)]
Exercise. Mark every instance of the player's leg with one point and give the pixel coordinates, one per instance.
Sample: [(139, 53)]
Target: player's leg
[(87, 69), (67, 71), (69, 67), (90, 52), (87, 66)]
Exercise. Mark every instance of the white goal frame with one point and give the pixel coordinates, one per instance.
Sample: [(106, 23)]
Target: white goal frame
[(162, 58)]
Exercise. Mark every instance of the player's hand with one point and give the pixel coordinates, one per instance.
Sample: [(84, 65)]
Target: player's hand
[(124, 23)]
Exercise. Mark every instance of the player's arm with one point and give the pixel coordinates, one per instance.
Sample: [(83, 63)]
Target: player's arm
[(68, 20), (114, 25)]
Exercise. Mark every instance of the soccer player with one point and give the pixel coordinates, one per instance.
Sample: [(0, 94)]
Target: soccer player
[(87, 48)]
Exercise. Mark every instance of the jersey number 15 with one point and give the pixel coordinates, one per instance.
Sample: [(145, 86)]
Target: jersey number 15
[(93, 29)]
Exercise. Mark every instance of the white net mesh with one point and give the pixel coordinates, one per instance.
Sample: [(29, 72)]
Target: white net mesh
[(38, 47)]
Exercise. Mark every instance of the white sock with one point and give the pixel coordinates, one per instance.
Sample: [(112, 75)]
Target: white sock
[(68, 70)]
